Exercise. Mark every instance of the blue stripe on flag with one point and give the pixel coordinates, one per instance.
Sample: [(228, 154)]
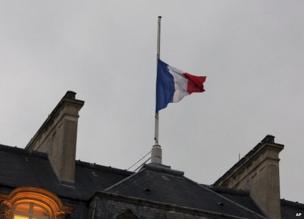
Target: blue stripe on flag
[(164, 86)]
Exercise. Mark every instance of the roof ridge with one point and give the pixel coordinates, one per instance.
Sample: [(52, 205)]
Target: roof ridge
[(121, 181), (163, 169), (102, 167)]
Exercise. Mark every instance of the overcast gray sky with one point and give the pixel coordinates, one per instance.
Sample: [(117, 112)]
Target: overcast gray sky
[(251, 51)]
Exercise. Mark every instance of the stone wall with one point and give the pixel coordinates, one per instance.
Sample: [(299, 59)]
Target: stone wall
[(111, 207)]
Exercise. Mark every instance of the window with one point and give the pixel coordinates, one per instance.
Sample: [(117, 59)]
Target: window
[(30, 211), (32, 203)]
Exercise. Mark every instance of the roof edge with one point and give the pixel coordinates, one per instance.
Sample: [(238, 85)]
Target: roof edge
[(268, 140), (227, 199), (22, 151), (228, 190), (69, 97), (14, 149), (285, 202)]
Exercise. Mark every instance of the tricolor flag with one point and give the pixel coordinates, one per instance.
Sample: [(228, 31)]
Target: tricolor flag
[(173, 84)]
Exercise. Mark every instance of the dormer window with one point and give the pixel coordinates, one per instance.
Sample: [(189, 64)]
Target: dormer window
[(33, 203)]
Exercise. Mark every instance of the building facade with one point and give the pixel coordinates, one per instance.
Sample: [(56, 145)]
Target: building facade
[(44, 181)]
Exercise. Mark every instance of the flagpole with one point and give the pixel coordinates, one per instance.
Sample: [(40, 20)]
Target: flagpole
[(156, 135), (156, 153)]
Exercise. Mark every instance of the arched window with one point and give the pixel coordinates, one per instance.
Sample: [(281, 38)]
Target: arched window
[(33, 203), (30, 210)]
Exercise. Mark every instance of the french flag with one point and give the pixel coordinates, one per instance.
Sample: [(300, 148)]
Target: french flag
[(172, 85)]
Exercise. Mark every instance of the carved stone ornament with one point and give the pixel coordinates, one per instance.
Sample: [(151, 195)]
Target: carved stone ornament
[(5, 210)]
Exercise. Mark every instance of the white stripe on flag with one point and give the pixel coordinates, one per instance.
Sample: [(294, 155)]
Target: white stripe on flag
[(180, 84)]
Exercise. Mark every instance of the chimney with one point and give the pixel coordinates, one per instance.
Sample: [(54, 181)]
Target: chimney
[(57, 137), (258, 173)]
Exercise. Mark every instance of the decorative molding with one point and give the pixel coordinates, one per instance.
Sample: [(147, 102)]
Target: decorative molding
[(38, 196), (2, 197)]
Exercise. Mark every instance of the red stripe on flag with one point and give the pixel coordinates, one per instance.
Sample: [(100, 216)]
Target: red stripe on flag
[(195, 83)]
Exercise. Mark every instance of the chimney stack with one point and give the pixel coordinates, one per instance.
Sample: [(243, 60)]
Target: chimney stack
[(57, 137), (258, 173)]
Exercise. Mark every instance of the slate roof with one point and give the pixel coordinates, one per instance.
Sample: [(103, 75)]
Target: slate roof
[(292, 210), (153, 182), (239, 196), (21, 168), (163, 185)]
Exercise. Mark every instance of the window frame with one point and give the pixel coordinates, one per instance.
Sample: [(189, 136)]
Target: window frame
[(30, 210)]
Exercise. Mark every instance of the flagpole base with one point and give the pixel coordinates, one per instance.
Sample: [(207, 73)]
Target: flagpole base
[(156, 154)]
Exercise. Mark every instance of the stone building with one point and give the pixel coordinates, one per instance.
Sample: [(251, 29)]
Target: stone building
[(44, 181)]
